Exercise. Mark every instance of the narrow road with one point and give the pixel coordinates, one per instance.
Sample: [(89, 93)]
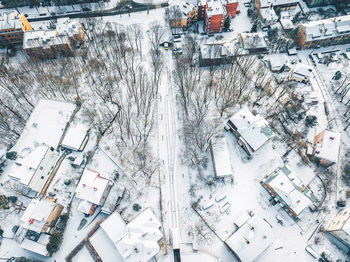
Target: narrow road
[(167, 152), (99, 13)]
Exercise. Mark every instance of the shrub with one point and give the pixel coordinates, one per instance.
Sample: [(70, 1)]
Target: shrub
[(311, 121), (55, 241), (12, 199), (136, 207), (12, 155)]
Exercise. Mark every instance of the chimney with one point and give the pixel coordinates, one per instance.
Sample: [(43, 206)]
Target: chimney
[(331, 138)]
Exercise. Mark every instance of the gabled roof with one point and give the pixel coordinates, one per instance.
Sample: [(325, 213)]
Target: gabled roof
[(136, 241), (91, 187), (327, 28), (254, 130), (34, 169), (36, 214), (302, 70), (329, 148), (291, 189)]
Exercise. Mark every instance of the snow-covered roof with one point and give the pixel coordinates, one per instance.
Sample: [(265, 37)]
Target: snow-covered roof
[(34, 169), (221, 158), (277, 62), (302, 71), (327, 28), (76, 136), (67, 26), (92, 187), (43, 39), (253, 41), (251, 240), (136, 241), (276, 3), (46, 125), (329, 148), (268, 14), (215, 7), (287, 23), (10, 20), (114, 226), (290, 188), (34, 247), (254, 130), (140, 244), (36, 214)]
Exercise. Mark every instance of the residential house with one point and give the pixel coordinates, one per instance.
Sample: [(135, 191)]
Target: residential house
[(300, 73), (253, 42), (252, 131), (325, 148), (37, 221), (251, 240), (183, 15), (221, 157), (338, 231), (76, 137), (38, 158), (35, 168), (281, 4), (12, 28), (91, 191), (268, 16), (326, 32), (136, 241), (213, 12), (287, 189), (215, 54), (278, 63)]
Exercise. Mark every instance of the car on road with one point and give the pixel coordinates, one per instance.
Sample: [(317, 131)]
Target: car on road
[(166, 46)]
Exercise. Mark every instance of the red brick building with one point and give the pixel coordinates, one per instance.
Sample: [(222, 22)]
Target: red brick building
[(215, 13)]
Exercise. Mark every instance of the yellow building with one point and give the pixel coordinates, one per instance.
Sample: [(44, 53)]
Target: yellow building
[(183, 16), (339, 230), (12, 27)]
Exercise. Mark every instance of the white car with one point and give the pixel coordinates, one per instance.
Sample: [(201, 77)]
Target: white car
[(225, 207), (220, 197), (312, 252)]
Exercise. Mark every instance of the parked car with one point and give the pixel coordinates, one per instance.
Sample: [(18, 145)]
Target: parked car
[(312, 252), (220, 197), (208, 204), (225, 207), (92, 209)]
